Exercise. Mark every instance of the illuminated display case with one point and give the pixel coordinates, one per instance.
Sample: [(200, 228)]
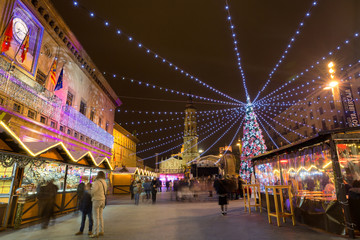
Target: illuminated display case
[(6, 177), (322, 171), (77, 175), (37, 176)]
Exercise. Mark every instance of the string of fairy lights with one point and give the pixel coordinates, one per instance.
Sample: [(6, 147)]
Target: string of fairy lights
[(209, 129), (269, 107), (314, 65), (119, 33), (236, 49), (205, 138), (287, 48)]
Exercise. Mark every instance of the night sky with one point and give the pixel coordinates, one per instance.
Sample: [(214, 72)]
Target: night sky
[(195, 35)]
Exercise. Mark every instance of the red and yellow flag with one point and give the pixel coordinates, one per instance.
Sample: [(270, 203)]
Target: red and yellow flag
[(53, 72), (8, 36), (25, 48)]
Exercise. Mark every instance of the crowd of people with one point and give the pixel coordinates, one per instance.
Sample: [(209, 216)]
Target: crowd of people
[(189, 189)]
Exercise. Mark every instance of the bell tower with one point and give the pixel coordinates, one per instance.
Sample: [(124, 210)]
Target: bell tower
[(190, 146)]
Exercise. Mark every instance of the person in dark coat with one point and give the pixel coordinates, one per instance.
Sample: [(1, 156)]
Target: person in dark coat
[(132, 189), (354, 203), (154, 186), (221, 190), (86, 209), (47, 196)]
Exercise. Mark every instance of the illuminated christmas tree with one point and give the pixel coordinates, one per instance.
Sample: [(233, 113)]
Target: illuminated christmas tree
[(253, 142)]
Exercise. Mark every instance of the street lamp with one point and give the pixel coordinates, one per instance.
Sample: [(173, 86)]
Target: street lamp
[(201, 151), (334, 86)]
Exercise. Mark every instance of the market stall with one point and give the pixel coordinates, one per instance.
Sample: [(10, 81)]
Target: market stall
[(122, 178), (321, 171), (26, 166)]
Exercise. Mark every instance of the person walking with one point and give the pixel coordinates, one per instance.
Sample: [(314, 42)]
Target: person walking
[(137, 191), (219, 185), (85, 207), (98, 197), (154, 187), (147, 188)]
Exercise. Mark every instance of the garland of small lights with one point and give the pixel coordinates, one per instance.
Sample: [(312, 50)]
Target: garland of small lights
[(178, 138), (284, 54), (168, 90), (317, 63), (218, 129), (148, 51), (210, 136), (232, 29)]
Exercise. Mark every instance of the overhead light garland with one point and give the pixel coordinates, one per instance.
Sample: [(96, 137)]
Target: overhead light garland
[(317, 63), (236, 49), (289, 45), (148, 51)]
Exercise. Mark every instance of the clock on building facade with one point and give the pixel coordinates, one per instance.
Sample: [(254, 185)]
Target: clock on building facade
[(20, 29)]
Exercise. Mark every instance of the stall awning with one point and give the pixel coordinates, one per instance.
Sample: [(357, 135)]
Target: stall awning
[(51, 150)]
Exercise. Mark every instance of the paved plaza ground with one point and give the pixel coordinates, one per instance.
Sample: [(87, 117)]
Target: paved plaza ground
[(200, 220)]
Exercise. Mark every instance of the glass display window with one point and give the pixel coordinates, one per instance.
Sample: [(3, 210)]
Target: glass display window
[(75, 176), (6, 177), (309, 171), (349, 159), (35, 177)]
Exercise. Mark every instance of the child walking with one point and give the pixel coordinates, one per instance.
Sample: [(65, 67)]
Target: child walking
[(86, 209)]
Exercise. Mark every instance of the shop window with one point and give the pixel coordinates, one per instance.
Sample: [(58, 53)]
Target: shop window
[(17, 107), (68, 131), (76, 135), (82, 137), (348, 157), (37, 176), (92, 115), (5, 179), (31, 114), (53, 124), (43, 119), (69, 99), (82, 107), (77, 175), (62, 128)]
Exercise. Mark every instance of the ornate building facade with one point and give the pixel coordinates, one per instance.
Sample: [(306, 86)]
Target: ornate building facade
[(57, 109), (124, 150)]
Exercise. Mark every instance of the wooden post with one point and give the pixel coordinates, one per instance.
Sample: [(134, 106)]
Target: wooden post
[(64, 190), (268, 204)]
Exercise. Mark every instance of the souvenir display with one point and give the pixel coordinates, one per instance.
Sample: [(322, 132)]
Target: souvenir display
[(5, 179)]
